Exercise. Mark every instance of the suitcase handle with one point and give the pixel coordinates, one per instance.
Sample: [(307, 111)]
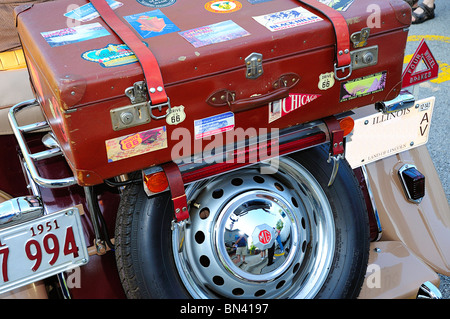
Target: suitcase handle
[(259, 100), (281, 90)]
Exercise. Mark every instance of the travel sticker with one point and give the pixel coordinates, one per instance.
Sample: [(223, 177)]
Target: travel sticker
[(339, 5), (87, 12), (285, 106), (257, 1), (363, 86), (223, 6), (156, 3), (110, 56), (214, 33), (287, 19), (136, 144), (73, 35), (213, 125), (152, 23)]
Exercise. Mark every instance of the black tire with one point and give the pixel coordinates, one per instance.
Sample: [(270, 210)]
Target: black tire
[(145, 256)]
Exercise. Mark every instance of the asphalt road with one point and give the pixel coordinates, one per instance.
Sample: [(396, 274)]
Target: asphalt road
[(437, 35)]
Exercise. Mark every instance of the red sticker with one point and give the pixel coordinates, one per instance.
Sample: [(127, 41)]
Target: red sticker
[(285, 106), (411, 76)]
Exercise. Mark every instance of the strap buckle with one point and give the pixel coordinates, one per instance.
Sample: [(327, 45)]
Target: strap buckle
[(159, 107), (176, 186), (342, 69)]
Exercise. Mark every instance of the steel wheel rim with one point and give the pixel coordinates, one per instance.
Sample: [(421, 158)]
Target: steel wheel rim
[(207, 264)]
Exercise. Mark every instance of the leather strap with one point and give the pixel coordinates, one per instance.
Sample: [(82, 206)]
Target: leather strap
[(150, 67), (341, 31), (336, 135), (176, 186)]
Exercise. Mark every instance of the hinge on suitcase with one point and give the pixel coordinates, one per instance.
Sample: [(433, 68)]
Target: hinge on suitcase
[(254, 65), (359, 39)]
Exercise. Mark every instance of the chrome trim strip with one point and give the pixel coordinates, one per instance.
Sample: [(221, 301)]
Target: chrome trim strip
[(428, 291), (45, 154), (19, 210), (403, 101), (372, 200), (28, 157)]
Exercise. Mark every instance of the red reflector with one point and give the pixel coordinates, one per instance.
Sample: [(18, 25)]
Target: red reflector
[(156, 182), (414, 183), (347, 124)]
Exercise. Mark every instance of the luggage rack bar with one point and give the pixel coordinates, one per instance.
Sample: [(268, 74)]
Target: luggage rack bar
[(30, 158)]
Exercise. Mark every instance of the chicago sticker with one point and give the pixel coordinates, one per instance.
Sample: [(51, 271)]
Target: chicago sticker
[(285, 106)]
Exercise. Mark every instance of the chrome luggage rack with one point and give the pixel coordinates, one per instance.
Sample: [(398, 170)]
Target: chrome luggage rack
[(31, 158), (312, 128)]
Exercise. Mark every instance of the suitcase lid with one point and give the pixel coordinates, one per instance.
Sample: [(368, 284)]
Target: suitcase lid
[(94, 65)]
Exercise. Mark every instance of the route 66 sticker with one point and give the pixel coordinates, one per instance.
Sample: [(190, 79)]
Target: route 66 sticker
[(326, 81), (176, 115)]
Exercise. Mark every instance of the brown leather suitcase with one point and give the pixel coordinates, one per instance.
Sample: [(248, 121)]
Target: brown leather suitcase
[(224, 65)]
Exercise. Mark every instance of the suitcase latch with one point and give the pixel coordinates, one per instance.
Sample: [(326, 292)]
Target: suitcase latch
[(138, 94), (364, 57), (135, 114), (254, 65), (140, 111), (130, 116)]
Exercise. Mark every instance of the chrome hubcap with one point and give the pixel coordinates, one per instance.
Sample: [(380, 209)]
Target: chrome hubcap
[(253, 235)]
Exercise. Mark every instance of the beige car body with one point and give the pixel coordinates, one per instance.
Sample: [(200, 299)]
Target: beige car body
[(413, 246)]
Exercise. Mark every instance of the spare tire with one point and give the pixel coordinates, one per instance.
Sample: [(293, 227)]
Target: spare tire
[(321, 251)]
